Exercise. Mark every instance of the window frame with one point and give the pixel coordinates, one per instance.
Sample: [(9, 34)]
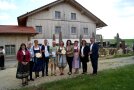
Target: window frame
[(39, 29), (57, 15), (73, 32), (73, 16), (85, 32), (10, 49), (57, 28)]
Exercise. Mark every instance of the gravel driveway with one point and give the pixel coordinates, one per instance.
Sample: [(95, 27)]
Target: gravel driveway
[(8, 80)]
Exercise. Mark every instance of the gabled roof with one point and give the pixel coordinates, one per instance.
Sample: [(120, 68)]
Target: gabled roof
[(13, 29), (99, 23)]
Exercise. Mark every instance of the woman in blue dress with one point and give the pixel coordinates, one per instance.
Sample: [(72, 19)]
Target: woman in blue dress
[(38, 62)]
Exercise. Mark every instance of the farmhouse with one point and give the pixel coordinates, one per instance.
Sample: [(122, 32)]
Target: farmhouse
[(66, 16)]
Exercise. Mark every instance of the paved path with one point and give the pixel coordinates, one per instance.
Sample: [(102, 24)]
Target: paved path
[(8, 80)]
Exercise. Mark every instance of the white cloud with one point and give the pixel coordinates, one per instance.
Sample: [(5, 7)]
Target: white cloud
[(4, 16), (35, 1), (118, 17), (5, 5)]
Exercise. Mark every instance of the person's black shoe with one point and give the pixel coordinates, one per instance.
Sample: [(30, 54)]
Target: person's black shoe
[(83, 73), (31, 79), (46, 74), (69, 73), (23, 84), (93, 74), (2, 68), (26, 83), (36, 76)]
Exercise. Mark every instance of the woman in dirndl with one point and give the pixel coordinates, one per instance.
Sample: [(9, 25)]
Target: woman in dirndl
[(38, 61), (61, 54), (23, 57), (76, 59)]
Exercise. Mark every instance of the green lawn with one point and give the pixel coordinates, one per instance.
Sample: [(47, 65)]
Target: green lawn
[(128, 42), (113, 79)]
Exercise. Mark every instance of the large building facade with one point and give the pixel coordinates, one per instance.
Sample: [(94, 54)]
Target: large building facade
[(66, 16)]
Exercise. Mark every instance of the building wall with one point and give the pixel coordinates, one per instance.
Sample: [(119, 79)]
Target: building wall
[(13, 40), (47, 20)]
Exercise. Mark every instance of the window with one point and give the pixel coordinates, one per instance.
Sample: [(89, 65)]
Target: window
[(10, 49), (39, 29), (73, 30), (85, 31), (73, 16), (57, 15), (57, 29)]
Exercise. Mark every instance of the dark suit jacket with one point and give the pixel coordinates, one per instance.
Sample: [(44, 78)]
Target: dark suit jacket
[(43, 48), (85, 52), (95, 49)]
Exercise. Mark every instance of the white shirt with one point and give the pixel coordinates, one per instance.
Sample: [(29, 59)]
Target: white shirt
[(82, 51), (53, 51), (3, 51), (23, 51), (36, 48), (31, 53), (46, 52), (91, 46)]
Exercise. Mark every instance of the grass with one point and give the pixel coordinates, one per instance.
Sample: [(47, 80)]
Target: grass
[(128, 42), (119, 56), (123, 55), (114, 79)]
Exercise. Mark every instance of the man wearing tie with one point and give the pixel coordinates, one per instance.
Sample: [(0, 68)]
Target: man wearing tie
[(94, 55)]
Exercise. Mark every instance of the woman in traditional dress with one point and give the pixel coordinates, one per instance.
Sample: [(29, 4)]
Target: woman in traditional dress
[(69, 55), (38, 62), (23, 57), (76, 59), (61, 57), (2, 59)]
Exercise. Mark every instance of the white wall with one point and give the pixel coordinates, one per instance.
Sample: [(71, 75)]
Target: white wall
[(41, 41), (47, 20), (13, 40)]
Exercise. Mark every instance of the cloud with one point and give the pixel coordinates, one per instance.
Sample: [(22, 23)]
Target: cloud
[(4, 16), (125, 8), (6, 5), (125, 3), (34, 1)]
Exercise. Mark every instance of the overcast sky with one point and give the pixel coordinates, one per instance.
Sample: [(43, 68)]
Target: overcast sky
[(117, 14)]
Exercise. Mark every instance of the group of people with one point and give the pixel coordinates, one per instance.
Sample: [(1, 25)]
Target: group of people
[(36, 58)]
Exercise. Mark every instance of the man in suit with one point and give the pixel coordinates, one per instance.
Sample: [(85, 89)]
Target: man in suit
[(94, 55), (45, 52)]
